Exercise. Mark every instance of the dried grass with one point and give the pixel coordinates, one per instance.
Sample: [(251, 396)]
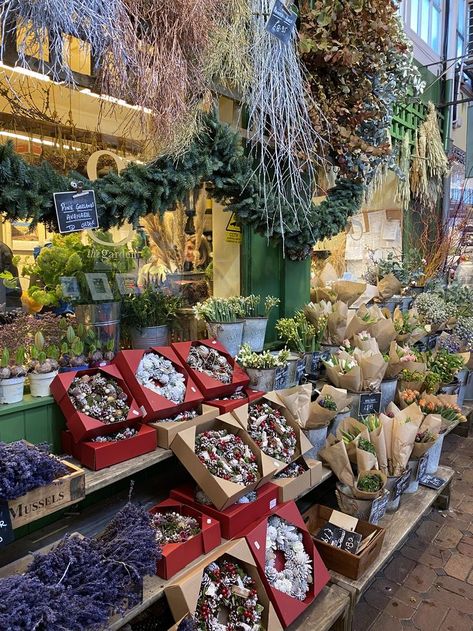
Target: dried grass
[(403, 191)]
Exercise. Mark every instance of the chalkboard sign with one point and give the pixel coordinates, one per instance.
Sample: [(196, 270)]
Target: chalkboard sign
[(378, 508), (370, 403), (280, 380), (339, 537), (300, 370), (316, 363), (422, 466), (431, 481), (6, 530), (401, 484), (76, 211), (281, 22)]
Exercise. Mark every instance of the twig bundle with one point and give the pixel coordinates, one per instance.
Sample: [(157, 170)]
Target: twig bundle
[(403, 191)]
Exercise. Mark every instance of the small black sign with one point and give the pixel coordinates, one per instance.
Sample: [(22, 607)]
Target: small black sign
[(432, 482), (315, 363), (300, 370), (401, 484), (280, 380), (378, 508), (6, 530), (370, 403), (281, 22), (76, 211), (339, 537), (422, 466)]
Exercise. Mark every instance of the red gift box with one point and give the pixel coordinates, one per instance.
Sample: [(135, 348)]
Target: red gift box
[(177, 555), (236, 518), (212, 388), (154, 405), (287, 607), (81, 425), (98, 456), (228, 405)]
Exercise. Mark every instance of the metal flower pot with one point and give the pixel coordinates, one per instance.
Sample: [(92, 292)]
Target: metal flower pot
[(104, 317), (254, 332), (229, 334), (434, 455), (318, 438), (313, 363), (261, 378), (352, 505), (393, 504), (413, 465), (332, 428), (150, 336), (292, 373)]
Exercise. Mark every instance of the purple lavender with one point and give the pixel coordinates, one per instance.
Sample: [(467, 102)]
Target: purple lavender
[(25, 467)]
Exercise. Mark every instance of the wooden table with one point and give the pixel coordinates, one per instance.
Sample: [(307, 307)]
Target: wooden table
[(330, 610)]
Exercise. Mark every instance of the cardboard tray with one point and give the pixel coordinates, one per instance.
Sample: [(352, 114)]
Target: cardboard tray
[(177, 555), (80, 425), (166, 432), (350, 565), (212, 388), (222, 493), (236, 518), (231, 404), (182, 595), (154, 405), (292, 488), (287, 607), (98, 456)]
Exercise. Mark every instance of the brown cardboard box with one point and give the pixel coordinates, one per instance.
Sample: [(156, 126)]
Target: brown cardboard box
[(168, 431), (182, 596), (222, 493), (292, 488)]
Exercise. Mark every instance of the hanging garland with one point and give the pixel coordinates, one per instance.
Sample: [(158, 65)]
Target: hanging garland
[(216, 157)]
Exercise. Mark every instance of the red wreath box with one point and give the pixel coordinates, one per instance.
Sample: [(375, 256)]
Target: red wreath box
[(81, 425), (303, 444), (222, 493), (236, 518), (292, 488), (287, 607), (155, 406), (229, 405), (177, 555), (98, 456), (212, 388), (183, 594), (167, 431)]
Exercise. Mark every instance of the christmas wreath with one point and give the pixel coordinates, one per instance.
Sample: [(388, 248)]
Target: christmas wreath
[(216, 157)]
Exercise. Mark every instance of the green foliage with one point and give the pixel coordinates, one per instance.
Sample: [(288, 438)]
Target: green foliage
[(262, 361), (299, 334), (149, 308)]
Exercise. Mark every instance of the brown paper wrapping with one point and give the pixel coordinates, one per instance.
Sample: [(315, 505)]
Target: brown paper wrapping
[(334, 454), (337, 323), (395, 365), (378, 439), (384, 332), (366, 345), (321, 417), (372, 367), (364, 460), (364, 495), (412, 412), (419, 449), (370, 292), (298, 401), (403, 437), (327, 275), (348, 291), (388, 287), (355, 325), (347, 425), (432, 422), (350, 381), (387, 423)]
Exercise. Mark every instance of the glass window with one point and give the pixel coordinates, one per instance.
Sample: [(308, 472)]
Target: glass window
[(414, 17), (424, 20), (435, 30)]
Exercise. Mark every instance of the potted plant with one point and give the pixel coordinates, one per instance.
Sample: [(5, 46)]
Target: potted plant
[(12, 376), (261, 367), (254, 329), (224, 318), (43, 366), (101, 355), (304, 338), (147, 317), (73, 355)]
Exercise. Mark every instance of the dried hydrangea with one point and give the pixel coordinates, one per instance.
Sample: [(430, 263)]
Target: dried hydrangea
[(431, 308), (100, 397), (270, 430), (182, 416), (159, 375), (294, 470), (210, 362), (173, 527), (226, 456), (124, 434)]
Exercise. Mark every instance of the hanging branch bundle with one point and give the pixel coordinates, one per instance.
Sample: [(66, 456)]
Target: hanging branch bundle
[(403, 190), (418, 178)]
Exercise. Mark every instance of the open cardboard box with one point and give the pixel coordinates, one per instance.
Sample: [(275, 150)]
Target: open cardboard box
[(236, 517), (98, 456), (222, 493), (81, 425), (212, 388), (227, 405), (154, 405), (182, 596), (177, 555), (351, 565), (292, 488), (303, 445), (167, 431), (287, 607)]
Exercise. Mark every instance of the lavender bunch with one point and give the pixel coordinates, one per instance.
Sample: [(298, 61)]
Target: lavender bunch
[(25, 467)]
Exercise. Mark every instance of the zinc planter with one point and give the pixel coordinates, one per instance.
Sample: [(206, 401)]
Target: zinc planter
[(449, 388), (393, 504), (11, 390), (292, 372), (254, 332), (317, 437), (229, 334), (337, 420), (261, 378), (388, 392), (313, 363), (434, 455), (104, 317), (351, 505), (39, 383), (413, 465), (142, 339)]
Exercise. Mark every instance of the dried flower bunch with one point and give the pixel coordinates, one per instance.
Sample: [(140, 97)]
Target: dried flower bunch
[(227, 590), (82, 582), (270, 430), (159, 375), (25, 467), (294, 579), (173, 527), (294, 470), (226, 456), (463, 330), (210, 362), (124, 434), (182, 416), (100, 397), (432, 309)]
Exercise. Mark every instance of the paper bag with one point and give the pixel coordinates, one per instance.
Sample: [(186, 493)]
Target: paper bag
[(298, 401), (379, 441), (404, 435), (337, 323), (388, 287), (413, 413), (328, 275), (348, 291), (334, 454), (365, 461), (369, 344), (372, 367), (384, 332)]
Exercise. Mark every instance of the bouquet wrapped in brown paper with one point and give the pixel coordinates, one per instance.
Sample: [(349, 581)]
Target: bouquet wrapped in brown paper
[(369, 484), (408, 328), (336, 323), (358, 322), (389, 286), (366, 458), (370, 292), (327, 405), (365, 342), (427, 435), (348, 291), (297, 400), (350, 431), (404, 433), (373, 366), (402, 358), (412, 380), (334, 454), (376, 432), (327, 276), (343, 372)]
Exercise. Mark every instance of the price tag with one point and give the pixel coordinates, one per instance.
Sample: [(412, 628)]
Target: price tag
[(6, 530), (370, 403), (281, 22), (378, 508), (401, 484), (431, 481)]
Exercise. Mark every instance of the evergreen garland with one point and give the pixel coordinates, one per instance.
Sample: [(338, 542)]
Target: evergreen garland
[(216, 157)]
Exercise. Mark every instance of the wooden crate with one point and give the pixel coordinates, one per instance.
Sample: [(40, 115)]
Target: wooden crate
[(45, 500), (341, 561)]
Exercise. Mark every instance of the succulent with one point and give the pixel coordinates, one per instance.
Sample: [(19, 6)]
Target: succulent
[(43, 360)]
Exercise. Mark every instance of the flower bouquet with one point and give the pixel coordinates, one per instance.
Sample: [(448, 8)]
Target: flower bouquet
[(443, 404), (403, 358), (365, 342), (409, 329), (325, 408), (344, 372)]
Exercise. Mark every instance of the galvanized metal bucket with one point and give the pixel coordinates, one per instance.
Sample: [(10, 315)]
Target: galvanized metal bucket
[(317, 437), (104, 317), (388, 392), (393, 504), (254, 332), (332, 428), (434, 455), (150, 336), (261, 378), (229, 334)]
